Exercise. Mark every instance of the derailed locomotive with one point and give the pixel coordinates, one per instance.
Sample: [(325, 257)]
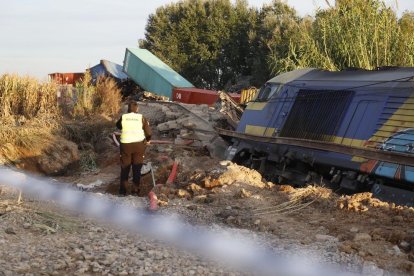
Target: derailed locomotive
[(354, 129)]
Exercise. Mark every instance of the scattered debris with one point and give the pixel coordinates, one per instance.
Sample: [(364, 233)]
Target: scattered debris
[(243, 194), (10, 231), (47, 229), (240, 174), (90, 186), (363, 237), (230, 108)]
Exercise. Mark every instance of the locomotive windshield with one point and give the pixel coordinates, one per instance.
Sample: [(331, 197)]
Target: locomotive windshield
[(267, 91)]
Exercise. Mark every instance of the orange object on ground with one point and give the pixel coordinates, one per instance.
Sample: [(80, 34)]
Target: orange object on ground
[(153, 201), (173, 174)]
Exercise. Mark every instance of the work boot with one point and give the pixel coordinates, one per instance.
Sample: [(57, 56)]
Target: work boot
[(122, 191), (135, 190)]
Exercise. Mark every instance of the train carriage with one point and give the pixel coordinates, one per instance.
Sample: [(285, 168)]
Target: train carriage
[(355, 128)]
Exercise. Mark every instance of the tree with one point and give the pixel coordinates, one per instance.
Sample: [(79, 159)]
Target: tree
[(207, 41), (277, 26), (213, 42)]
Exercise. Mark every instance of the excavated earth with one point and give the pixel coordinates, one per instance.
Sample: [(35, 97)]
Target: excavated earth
[(360, 233)]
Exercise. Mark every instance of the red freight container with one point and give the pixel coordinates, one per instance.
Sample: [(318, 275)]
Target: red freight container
[(236, 97), (199, 96), (195, 96), (66, 78)]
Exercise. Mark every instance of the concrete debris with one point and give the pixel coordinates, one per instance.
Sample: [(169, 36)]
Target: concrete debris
[(405, 246), (189, 125), (90, 186), (230, 108), (195, 189), (354, 230), (200, 199), (243, 194), (326, 238), (211, 183), (10, 231), (183, 194), (363, 237), (225, 163)]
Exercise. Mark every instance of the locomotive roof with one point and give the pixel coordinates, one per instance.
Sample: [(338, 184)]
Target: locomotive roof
[(312, 74)]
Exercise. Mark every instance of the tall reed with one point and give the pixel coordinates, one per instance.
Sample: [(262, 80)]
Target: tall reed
[(355, 33), (25, 96)]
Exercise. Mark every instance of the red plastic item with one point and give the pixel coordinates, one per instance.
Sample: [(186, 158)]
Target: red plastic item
[(173, 174), (153, 201)]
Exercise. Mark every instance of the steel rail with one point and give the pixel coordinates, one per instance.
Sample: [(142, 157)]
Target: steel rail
[(372, 154)]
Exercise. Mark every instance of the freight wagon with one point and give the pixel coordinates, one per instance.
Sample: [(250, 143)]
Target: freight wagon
[(355, 129), (199, 96), (152, 74)]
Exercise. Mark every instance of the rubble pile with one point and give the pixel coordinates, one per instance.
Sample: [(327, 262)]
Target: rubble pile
[(231, 109), (187, 125), (362, 202)]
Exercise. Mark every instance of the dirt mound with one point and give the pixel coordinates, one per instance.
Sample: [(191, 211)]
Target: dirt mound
[(51, 157), (57, 156), (240, 174), (360, 202)]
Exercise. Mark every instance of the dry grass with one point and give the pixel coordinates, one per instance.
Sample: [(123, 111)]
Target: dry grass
[(28, 115), (87, 131), (25, 96), (298, 199), (31, 117), (85, 98), (353, 33), (108, 97), (30, 138), (104, 98)]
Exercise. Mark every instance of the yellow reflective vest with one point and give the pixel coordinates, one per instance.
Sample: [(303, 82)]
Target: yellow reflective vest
[(132, 128)]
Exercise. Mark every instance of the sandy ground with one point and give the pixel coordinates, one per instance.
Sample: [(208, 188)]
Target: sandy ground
[(358, 232), (209, 191)]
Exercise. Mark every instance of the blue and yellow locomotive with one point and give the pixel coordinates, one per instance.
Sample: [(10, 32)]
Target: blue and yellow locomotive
[(355, 128)]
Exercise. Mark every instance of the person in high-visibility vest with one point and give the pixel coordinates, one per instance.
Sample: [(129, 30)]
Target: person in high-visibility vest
[(135, 135)]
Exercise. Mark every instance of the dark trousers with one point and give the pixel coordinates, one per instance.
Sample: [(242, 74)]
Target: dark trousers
[(132, 154)]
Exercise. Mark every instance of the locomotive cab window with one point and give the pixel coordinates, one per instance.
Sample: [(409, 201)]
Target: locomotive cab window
[(266, 92)]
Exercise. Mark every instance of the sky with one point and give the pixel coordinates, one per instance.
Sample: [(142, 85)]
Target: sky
[(46, 36)]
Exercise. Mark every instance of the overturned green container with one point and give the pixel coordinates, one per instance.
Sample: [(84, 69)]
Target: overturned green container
[(153, 75)]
